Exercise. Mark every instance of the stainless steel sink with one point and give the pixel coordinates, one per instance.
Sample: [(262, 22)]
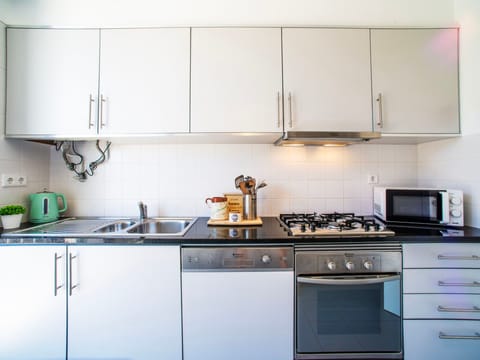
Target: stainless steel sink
[(115, 227), (129, 228), (162, 226)]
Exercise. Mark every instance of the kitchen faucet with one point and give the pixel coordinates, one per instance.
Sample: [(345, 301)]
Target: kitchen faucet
[(143, 210)]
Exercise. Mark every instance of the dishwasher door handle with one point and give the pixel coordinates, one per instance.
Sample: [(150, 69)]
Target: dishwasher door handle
[(347, 280)]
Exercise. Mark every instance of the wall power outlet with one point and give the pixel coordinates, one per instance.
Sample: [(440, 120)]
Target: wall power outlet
[(13, 180), (372, 179)]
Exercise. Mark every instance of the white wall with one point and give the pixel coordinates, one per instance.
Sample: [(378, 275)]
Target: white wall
[(456, 163), (227, 12), (19, 157)]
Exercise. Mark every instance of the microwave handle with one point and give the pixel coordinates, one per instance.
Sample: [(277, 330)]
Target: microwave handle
[(445, 207), (364, 280)]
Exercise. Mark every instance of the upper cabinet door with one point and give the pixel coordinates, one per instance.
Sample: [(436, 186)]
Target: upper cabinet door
[(52, 78), (144, 81), (415, 72), (327, 79), (236, 80)]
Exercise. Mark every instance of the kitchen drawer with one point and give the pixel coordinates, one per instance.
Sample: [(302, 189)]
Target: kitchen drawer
[(441, 281), (441, 256), (441, 306), (422, 339)]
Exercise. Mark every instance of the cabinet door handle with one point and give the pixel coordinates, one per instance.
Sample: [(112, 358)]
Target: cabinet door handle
[(380, 110), (102, 101), (469, 284), (460, 257), (56, 287), (70, 270), (91, 100), (279, 110), (290, 110), (473, 309), (442, 335)]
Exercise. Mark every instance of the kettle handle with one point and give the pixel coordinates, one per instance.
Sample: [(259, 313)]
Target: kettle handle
[(64, 203)]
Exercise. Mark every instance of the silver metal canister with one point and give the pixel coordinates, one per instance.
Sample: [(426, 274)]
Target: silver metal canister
[(249, 206)]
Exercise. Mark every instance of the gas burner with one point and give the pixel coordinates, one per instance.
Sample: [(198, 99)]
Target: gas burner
[(333, 224)]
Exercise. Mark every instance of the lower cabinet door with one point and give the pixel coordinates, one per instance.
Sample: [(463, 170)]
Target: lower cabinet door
[(124, 303), (32, 302), (442, 339), (238, 315)]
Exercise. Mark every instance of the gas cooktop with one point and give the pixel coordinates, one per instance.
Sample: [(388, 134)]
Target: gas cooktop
[(333, 225)]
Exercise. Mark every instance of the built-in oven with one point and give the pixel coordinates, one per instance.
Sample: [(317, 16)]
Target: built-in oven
[(348, 302)]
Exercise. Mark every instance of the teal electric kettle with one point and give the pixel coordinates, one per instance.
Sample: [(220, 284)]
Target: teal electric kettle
[(44, 206)]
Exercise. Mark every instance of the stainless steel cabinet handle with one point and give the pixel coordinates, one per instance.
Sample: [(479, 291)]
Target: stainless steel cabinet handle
[(460, 257), (56, 287), (368, 279), (70, 270), (474, 309), (102, 101), (476, 336), (290, 110), (279, 111), (469, 284), (380, 111), (92, 100)]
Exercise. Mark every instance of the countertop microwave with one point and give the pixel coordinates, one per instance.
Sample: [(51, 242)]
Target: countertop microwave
[(423, 206)]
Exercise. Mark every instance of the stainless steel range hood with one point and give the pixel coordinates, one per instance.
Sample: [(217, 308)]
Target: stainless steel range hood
[(324, 138)]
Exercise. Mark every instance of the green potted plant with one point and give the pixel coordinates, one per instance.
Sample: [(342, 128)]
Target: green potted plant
[(11, 216)]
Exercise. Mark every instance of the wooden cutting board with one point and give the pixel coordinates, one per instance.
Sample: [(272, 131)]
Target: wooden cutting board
[(257, 221)]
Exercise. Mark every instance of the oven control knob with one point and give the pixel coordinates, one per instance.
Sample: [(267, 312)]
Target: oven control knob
[(455, 200), (266, 259), (331, 265), (350, 265), (368, 265), (456, 213)]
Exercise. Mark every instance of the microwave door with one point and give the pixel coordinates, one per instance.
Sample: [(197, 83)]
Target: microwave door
[(416, 206)]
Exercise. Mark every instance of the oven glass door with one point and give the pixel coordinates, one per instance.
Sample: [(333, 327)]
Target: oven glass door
[(348, 314), (415, 206)]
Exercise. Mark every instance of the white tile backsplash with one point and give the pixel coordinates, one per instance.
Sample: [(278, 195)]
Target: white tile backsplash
[(176, 179)]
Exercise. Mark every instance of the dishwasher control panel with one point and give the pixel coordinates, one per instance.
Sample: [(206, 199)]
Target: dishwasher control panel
[(237, 258)]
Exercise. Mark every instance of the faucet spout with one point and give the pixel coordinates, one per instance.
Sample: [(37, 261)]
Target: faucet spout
[(143, 210)]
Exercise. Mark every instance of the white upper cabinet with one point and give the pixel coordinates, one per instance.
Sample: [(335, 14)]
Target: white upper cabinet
[(236, 80), (90, 83), (327, 85), (415, 72), (144, 81), (52, 75)]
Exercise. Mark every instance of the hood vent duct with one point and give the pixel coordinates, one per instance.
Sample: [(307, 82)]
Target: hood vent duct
[(324, 138)]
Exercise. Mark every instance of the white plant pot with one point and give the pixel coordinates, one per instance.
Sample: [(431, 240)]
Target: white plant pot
[(11, 221)]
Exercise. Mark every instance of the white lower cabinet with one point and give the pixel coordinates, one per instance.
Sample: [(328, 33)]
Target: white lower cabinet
[(238, 315), (441, 301), (442, 339), (32, 311), (90, 302), (124, 303)]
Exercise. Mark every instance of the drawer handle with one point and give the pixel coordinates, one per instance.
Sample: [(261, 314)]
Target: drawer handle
[(474, 309), (470, 284), (476, 336), (450, 257)]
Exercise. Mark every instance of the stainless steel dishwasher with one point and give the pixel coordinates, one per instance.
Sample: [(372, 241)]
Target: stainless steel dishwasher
[(237, 303)]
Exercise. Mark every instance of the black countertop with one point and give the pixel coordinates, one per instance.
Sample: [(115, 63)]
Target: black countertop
[(271, 232)]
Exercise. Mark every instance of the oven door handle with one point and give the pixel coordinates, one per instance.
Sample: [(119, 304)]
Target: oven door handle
[(347, 280)]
